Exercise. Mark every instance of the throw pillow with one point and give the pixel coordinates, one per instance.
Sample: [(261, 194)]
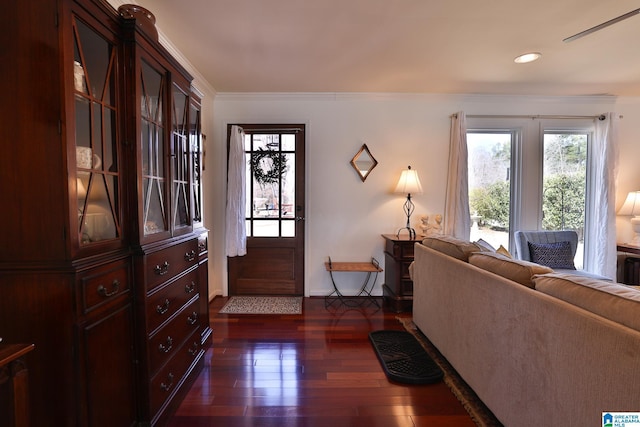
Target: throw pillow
[(554, 255), (484, 245), (502, 250)]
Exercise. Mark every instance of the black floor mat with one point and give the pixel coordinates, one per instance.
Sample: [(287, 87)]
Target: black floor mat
[(403, 358)]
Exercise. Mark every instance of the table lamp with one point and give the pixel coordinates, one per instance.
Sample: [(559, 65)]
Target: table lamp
[(631, 207), (408, 184)]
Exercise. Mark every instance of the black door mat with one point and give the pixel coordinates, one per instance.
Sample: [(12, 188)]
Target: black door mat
[(403, 358)]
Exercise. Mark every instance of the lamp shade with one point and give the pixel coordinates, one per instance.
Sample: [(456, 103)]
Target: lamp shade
[(631, 206), (409, 182)]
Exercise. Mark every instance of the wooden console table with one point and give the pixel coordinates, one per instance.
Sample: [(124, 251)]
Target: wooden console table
[(398, 286), (15, 378), (365, 290), (631, 270)]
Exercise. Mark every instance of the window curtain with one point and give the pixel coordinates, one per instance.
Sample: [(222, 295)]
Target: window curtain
[(457, 219), (600, 250), (236, 243)]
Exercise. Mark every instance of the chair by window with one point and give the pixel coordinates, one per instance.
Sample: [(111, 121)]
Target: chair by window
[(545, 238)]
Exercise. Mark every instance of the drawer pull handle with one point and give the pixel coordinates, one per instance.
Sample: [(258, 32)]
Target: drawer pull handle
[(193, 318), (190, 287), (162, 309), (166, 347), (190, 256), (167, 387), (115, 288), (161, 270), (194, 348), (202, 246)]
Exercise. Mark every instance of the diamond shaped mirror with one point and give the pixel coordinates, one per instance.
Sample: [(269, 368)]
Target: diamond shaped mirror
[(363, 162)]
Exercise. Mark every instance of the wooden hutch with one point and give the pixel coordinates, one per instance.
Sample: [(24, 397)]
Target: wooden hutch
[(103, 261)]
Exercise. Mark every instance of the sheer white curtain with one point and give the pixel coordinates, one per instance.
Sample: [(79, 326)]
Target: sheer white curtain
[(457, 219), (600, 250), (236, 243)]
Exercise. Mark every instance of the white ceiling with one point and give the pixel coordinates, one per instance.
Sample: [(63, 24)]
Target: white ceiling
[(420, 46)]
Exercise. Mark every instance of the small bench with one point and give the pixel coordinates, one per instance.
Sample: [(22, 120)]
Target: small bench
[(353, 267)]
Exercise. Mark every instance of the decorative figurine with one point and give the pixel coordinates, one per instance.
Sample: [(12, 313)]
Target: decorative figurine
[(424, 224), (430, 229)]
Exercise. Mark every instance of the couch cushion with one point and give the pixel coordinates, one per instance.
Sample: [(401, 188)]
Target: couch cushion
[(451, 246), (582, 273), (513, 269), (613, 301), (554, 255)]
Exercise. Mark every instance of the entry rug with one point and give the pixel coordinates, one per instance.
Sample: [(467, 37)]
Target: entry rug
[(263, 305)]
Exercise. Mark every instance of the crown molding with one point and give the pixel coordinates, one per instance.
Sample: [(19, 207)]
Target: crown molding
[(431, 97)]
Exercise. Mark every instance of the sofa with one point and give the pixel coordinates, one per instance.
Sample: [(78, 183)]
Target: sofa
[(538, 347)]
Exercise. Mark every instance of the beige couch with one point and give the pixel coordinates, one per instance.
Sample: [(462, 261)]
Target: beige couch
[(539, 348)]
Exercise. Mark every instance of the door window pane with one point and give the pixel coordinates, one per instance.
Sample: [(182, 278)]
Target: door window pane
[(287, 190), (489, 166), (564, 185), (289, 228), (288, 142), (266, 228)]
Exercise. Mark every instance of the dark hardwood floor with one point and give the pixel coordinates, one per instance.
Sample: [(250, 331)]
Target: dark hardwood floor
[(314, 369)]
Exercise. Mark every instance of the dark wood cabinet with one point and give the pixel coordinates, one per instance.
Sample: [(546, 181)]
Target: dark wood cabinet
[(106, 353), (102, 258), (14, 385), (631, 266), (173, 319), (397, 290)]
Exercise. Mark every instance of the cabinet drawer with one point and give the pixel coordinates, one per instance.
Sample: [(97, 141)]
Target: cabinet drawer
[(400, 250), (161, 305), (164, 344), (162, 265), (404, 250), (164, 383), (104, 284)]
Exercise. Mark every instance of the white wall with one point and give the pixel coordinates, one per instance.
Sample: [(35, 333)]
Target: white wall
[(629, 164), (344, 216)]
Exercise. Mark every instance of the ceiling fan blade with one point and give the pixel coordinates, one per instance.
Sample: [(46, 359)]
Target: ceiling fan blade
[(601, 26)]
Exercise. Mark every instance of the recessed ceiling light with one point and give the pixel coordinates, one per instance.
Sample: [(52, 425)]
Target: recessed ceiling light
[(527, 57)]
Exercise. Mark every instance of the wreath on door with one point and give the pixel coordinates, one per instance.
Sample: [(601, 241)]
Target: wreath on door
[(268, 166)]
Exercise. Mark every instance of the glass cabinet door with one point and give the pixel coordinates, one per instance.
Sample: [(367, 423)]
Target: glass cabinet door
[(195, 143), (97, 163), (180, 157), (154, 203)]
